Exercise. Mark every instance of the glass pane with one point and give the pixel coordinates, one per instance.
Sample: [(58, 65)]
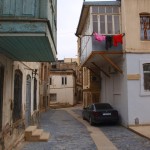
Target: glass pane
[(146, 81), (116, 24), (95, 27), (109, 24), (146, 67), (95, 9), (102, 24), (108, 9), (115, 9), (145, 27), (101, 9), (94, 17)]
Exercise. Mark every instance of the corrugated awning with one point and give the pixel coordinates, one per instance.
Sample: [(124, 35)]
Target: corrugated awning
[(29, 47)]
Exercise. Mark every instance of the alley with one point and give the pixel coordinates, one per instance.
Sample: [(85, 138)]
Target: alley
[(66, 133), (69, 132)]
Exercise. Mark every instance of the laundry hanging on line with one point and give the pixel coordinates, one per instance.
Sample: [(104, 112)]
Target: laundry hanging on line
[(111, 40), (99, 37), (117, 39)]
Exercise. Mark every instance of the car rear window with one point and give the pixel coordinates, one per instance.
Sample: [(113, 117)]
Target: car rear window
[(103, 106)]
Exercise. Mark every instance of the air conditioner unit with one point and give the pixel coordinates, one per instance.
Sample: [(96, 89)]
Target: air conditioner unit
[(112, 70)]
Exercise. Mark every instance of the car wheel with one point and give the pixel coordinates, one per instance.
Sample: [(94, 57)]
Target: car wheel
[(90, 120), (83, 117)]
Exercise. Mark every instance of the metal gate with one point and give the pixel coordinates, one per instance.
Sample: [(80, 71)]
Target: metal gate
[(28, 101), (1, 94), (17, 109)]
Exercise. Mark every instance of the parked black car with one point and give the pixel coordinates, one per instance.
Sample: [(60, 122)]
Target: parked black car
[(100, 113)]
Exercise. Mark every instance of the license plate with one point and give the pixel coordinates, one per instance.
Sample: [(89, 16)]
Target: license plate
[(106, 114)]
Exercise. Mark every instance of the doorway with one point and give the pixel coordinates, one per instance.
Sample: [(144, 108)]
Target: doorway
[(17, 109), (28, 101), (1, 94)]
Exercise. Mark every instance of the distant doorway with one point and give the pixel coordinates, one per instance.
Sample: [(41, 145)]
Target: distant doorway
[(35, 94), (28, 101), (1, 94)]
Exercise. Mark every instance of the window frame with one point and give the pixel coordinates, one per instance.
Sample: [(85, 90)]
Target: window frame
[(50, 81), (64, 80), (105, 14), (142, 38), (143, 91)]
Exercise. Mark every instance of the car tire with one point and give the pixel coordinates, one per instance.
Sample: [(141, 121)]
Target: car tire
[(90, 120), (83, 117)]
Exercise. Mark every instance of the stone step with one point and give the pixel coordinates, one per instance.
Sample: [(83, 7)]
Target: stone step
[(37, 132), (30, 128), (44, 137), (29, 131), (33, 134)]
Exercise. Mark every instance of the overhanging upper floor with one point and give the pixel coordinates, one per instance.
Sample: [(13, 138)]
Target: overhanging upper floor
[(28, 30)]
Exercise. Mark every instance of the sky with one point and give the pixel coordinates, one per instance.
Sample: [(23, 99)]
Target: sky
[(68, 14)]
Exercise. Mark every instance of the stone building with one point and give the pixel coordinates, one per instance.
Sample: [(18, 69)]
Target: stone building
[(27, 38), (119, 61), (62, 82)]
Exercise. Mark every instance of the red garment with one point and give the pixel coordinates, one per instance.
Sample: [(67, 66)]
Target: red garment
[(117, 39)]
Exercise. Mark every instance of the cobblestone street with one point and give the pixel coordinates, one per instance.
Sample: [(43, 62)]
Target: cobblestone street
[(68, 133)]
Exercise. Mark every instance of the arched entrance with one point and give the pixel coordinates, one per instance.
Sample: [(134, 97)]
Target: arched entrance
[(17, 109), (1, 94), (28, 101)]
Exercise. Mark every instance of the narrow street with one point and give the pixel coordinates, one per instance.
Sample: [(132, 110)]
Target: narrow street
[(69, 132)]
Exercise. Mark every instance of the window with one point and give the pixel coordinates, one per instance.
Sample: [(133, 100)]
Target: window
[(53, 97), (145, 77), (145, 26), (50, 81), (64, 80), (106, 19)]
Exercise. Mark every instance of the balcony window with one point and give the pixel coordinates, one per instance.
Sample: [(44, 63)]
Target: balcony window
[(106, 19), (145, 26)]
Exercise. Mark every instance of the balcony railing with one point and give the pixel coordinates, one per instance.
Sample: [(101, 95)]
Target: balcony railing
[(92, 45), (102, 46)]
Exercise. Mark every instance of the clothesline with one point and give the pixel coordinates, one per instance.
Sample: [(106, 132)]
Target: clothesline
[(123, 34), (110, 40)]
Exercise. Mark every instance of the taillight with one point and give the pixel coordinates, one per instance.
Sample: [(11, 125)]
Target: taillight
[(115, 113), (95, 114)]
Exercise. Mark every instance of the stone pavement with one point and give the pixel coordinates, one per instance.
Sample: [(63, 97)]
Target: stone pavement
[(66, 133), (141, 130), (99, 138), (69, 132)]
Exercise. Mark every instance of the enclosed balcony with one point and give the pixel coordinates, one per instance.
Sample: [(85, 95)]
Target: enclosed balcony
[(104, 19), (28, 30)]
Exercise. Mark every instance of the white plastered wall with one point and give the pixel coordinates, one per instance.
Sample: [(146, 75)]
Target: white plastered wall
[(65, 93)]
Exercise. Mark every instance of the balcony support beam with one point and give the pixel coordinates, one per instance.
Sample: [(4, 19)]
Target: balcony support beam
[(101, 69), (111, 62), (94, 72)]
